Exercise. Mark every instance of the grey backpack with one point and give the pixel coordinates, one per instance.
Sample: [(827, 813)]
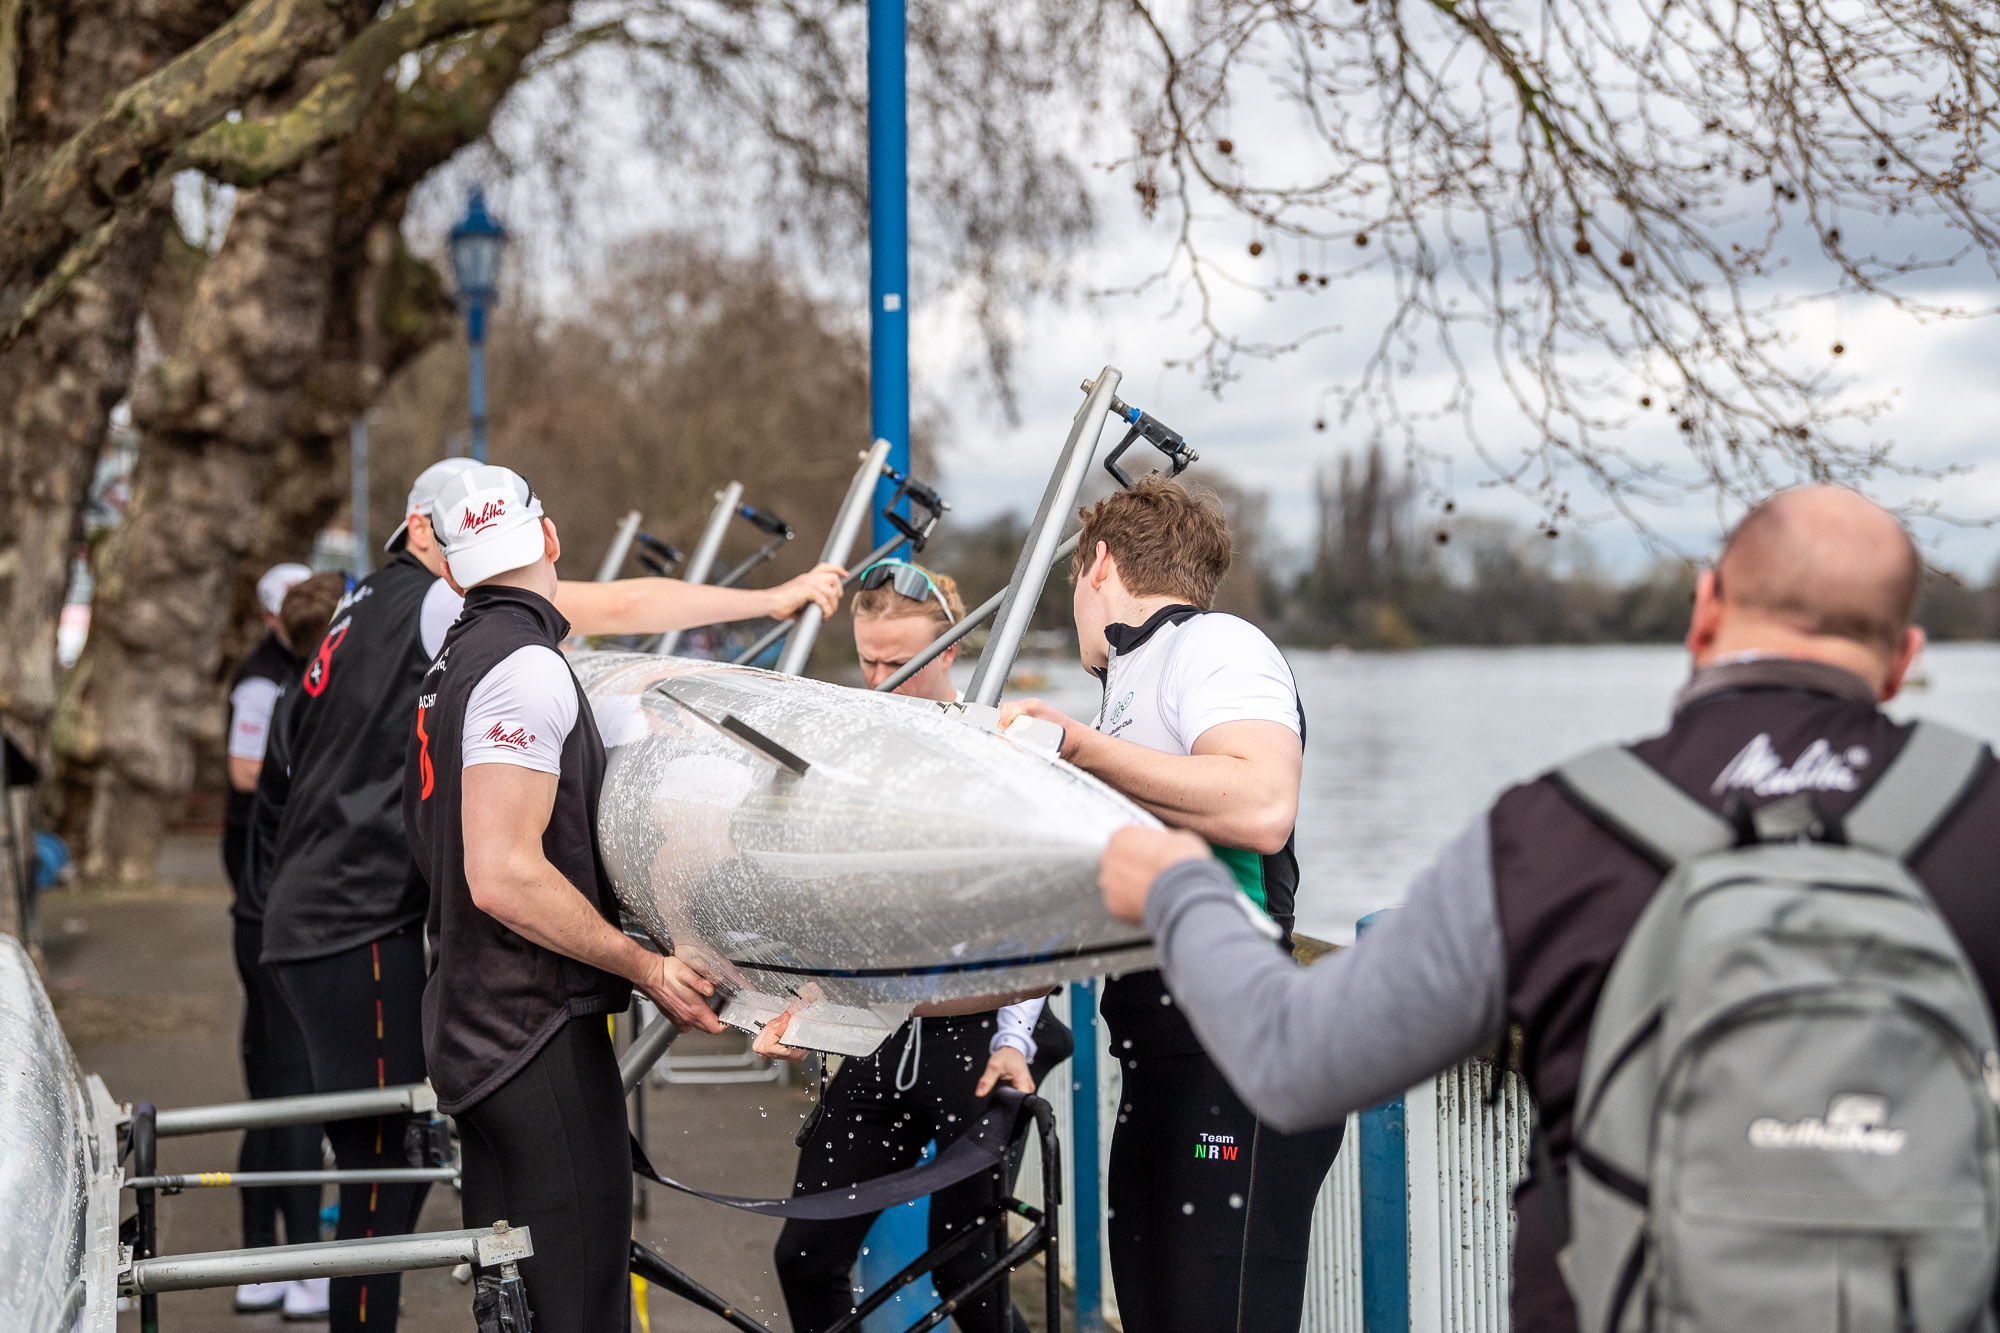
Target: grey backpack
[(1786, 1118)]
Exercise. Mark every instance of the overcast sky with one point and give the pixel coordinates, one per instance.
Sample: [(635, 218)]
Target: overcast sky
[(1938, 377)]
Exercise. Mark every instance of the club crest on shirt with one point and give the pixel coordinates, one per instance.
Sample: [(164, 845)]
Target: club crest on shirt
[(1760, 769)]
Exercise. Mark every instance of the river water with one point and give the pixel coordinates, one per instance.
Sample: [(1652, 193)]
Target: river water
[(1403, 748)]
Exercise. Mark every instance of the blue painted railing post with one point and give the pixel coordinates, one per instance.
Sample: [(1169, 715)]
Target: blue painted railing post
[(1088, 1205), (888, 245), (1385, 1211)]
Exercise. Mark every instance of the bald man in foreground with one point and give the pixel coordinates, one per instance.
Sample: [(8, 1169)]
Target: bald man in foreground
[(1799, 632)]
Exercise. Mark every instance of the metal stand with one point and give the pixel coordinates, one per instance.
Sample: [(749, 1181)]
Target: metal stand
[(744, 1066), (145, 1159), (148, 1273), (658, 1271), (311, 1109), (482, 1247), (1043, 1238)]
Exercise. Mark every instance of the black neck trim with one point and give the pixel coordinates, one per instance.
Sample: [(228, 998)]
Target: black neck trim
[(1125, 638)]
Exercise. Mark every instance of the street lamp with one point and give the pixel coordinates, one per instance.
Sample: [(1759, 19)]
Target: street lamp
[(476, 243)]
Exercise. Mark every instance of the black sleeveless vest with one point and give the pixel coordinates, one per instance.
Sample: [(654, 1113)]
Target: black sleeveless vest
[(340, 868), (495, 998), (272, 661)]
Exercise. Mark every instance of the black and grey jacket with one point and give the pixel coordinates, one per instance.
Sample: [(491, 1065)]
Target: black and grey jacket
[(1518, 922)]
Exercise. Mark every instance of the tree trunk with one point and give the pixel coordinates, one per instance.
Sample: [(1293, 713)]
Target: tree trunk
[(211, 415), (57, 388), (312, 303)]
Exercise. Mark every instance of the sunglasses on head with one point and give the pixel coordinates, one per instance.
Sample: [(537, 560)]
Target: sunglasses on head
[(908, 581)]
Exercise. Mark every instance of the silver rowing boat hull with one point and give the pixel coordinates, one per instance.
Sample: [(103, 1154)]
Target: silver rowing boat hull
[(848, 855)]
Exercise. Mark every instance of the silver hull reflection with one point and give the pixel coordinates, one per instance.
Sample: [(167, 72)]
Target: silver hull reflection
[(847, 855), (58, 1170)]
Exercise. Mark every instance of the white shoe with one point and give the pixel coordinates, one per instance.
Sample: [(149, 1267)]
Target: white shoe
[(254, 1296), (306, 1298)]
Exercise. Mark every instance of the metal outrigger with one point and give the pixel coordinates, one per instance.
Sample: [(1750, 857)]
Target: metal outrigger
[(1015, 603)]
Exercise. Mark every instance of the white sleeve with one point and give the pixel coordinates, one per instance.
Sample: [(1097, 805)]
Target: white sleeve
[(1227, 670), (1016, 1024), (441, 607), (521, 712), (250, 705)]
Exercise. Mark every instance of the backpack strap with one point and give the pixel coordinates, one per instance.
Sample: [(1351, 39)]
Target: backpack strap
[(1923, 784), (1643, 806)]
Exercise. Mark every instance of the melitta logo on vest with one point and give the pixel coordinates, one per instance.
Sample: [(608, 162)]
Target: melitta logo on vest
[(517, 739), (1758, 768), (1855, 1122), (488, 514)]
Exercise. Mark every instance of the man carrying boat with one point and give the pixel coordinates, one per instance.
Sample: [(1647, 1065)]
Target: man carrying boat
[(341, 925), (1210, 1208), (929, 1081), (1776, 746), (527, 958)]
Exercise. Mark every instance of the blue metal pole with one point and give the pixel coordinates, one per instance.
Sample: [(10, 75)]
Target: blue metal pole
[(1385, 1211), (888, 244), (475, 336), (1088, 1207)]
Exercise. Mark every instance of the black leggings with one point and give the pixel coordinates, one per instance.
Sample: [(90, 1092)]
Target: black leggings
[(550, 1149), (1210, 1211), (274, 1065), (361, 1011), (870, 1129)]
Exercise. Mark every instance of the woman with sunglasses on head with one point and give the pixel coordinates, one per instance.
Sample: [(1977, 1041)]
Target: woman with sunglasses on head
[(929, 1081)]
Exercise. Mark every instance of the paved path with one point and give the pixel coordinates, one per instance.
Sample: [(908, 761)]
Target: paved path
[(145, 985)]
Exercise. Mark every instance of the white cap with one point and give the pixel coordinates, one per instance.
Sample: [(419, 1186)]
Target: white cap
[(277, 581), (424, 493), (488, 521)]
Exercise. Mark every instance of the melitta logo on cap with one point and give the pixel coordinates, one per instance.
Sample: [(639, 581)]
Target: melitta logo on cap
[(489, 513)]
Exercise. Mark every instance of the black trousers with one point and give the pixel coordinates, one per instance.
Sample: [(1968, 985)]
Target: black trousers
[(871, 1128), (361, 1012), (550, 1149), (274, 1065), (1210, 1211)]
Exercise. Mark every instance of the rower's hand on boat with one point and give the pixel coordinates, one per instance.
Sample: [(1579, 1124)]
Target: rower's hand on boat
[(818, 586), (1072, 729), (768, 1044), (1006, 1065), (682, 994), (1137, 856)]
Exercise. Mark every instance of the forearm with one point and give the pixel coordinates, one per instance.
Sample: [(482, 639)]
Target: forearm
[(652, 606), (1305, 1046), (1227, 800), (537, 903)]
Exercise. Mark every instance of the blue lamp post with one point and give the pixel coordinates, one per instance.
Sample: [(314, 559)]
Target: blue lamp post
[(476, 243), (888, 243)]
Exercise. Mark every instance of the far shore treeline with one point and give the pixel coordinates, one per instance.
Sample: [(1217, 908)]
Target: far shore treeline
[(1389, 569)]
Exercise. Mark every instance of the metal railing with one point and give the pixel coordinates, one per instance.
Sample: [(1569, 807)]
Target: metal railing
[(1448, 1264)]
